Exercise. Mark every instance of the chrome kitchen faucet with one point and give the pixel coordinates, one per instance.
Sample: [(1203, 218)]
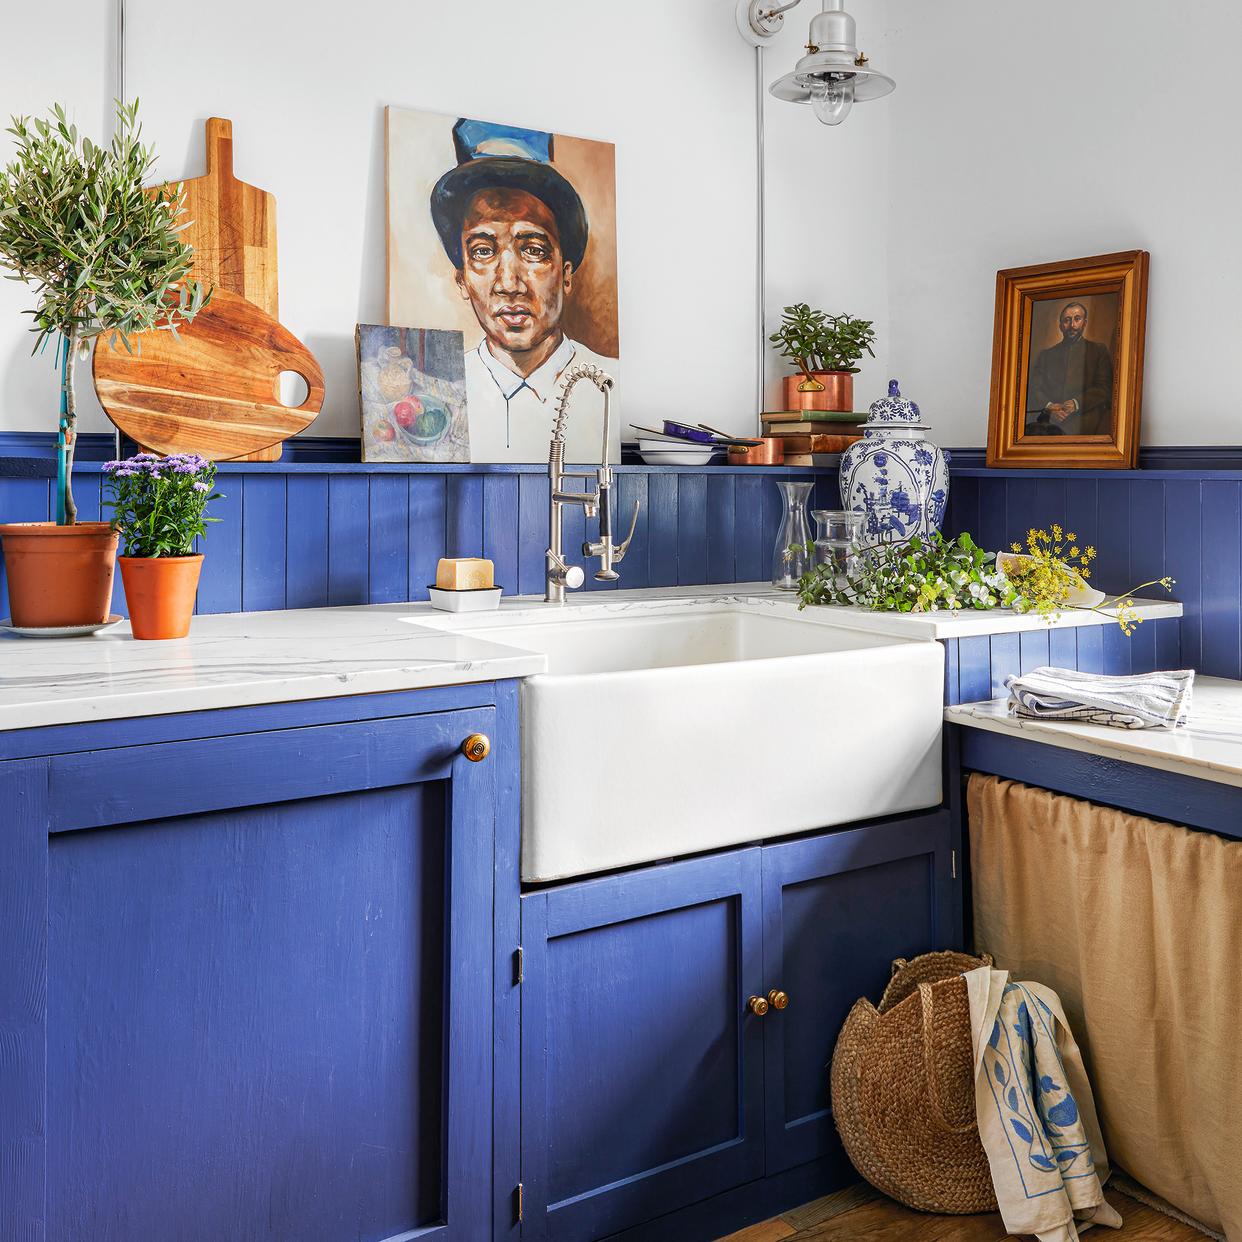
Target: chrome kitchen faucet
[(560, 574)]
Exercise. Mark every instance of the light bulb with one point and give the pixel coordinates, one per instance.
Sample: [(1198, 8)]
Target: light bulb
[(832, 101)]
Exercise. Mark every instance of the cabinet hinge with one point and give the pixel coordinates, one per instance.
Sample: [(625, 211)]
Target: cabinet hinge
[(953, 862), (519, 968), (519, 1202)]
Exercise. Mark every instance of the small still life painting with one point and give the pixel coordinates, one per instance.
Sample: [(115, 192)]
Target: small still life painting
[(412, 384), (508, 235)]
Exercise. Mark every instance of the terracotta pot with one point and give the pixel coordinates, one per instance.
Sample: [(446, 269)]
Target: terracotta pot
[(160, 593), (837, 392), (59, 575)]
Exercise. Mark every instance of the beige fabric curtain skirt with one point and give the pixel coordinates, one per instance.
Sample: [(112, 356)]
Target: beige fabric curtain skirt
[(1137, 925)]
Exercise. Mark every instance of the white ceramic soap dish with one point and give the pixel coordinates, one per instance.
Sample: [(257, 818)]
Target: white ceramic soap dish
[(477, 599)]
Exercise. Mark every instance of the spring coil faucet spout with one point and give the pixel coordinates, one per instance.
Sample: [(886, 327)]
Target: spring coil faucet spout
[(560, 574)]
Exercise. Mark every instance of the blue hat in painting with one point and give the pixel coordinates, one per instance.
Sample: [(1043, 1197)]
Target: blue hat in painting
[(493, 156)]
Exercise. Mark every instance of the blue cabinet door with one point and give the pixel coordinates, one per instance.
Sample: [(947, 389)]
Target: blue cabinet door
[(837, 910), (642, 1074), (251, 990)]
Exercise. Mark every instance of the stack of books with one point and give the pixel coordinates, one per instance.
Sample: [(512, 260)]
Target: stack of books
[(808, 434)]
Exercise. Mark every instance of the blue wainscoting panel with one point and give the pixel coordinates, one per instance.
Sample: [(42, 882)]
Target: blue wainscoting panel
[(343, 539)]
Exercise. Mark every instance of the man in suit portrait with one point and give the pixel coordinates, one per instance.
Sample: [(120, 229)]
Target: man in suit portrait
[(1071, 386)]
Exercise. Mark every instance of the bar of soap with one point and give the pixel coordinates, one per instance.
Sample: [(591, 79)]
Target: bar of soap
[(465, 573)]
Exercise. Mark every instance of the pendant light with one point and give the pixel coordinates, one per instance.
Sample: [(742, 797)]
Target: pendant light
[(833, 76)]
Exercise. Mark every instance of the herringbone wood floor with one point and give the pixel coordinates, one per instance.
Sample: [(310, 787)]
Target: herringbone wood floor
[(861, 1214)]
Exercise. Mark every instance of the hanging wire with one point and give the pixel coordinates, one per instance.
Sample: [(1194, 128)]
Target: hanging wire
[(760, 263)]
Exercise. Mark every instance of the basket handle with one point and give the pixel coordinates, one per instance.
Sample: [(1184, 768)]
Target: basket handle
[(929, 1069)]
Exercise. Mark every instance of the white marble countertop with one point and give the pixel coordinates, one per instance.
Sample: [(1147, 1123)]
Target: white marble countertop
[(967, 623), (1209, 746), (242, 659)]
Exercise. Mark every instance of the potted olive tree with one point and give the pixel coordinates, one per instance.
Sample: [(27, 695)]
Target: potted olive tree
[(826, 350), (103, 254)]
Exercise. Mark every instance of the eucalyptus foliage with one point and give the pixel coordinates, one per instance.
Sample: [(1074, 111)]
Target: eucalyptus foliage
[(816, 341), (920, 576), (159, 504), (927, 575), (102, 252)]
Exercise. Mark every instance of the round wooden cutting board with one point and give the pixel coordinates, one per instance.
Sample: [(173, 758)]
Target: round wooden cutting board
[(214, 389)]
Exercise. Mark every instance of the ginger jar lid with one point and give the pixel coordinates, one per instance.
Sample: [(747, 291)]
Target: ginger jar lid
[(894, 410)]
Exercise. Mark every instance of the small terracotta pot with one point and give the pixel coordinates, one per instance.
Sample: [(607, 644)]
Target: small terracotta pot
[(837, 392), (59, 575), (160, 593)]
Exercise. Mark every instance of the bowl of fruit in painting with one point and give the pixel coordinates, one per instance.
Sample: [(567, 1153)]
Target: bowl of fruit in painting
[(421, 420)]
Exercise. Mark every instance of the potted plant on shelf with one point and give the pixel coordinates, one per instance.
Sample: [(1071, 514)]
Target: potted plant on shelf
[(159, 507), (104, 255), (826, 350)]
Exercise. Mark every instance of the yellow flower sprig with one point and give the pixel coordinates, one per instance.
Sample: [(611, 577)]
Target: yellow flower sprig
[(1053, 566)]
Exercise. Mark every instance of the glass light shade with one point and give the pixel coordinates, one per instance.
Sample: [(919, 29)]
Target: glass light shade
[(832, 101)]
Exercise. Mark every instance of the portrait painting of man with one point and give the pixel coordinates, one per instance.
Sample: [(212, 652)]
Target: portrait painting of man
[(1070, 386), (508, 235)]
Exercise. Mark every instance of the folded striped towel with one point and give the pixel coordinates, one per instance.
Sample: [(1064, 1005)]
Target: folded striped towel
[(1146, 701)]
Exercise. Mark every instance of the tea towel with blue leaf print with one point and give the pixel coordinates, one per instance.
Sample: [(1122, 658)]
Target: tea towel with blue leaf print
[(1035, 1109)]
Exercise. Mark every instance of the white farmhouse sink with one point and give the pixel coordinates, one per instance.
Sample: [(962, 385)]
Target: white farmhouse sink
[(657, 733)]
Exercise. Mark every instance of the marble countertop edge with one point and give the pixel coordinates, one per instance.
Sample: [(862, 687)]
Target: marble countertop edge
[(1208, 747), (176, 699)]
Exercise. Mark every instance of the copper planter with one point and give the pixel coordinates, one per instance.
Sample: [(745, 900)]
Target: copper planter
[(836, 393)]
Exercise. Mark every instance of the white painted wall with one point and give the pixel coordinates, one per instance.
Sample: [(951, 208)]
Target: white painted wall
[(1019, 133), (1031, 132), (669, 81)]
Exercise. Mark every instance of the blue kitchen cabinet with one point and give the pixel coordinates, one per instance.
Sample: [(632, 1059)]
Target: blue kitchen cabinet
[(247, 983), (838, 909), (655, 1103)]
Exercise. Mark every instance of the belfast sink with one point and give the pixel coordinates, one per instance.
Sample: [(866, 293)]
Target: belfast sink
[(663, 731)]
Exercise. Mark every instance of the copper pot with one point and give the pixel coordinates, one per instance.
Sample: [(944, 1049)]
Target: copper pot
[(770, 451), (836, 391)]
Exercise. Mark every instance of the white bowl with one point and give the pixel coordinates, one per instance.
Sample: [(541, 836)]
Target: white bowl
[(480, 599), (670, 453)]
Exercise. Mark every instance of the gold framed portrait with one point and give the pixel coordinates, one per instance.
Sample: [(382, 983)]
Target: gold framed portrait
[(1067, 364)]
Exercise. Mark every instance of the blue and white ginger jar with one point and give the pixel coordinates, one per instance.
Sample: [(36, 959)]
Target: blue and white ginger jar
[(893, 477)]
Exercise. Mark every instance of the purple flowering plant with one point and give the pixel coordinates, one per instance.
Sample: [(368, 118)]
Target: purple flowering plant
[(159, 504)]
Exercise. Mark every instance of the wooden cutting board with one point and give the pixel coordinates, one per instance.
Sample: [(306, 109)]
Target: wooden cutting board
[(215, 388), (233, 232), (233, 226)]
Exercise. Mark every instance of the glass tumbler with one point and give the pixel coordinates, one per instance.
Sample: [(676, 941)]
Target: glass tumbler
[(838, 540)]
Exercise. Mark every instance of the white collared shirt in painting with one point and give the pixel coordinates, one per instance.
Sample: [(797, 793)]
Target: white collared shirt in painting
[(511, 415)]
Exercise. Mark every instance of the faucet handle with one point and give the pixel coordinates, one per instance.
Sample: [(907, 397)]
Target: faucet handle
[(624, 546)]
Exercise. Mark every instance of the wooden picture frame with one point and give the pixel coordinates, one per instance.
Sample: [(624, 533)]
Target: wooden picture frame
[(1072, 403)]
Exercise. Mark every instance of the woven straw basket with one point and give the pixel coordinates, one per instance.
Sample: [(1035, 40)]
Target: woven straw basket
[(903, 1092)]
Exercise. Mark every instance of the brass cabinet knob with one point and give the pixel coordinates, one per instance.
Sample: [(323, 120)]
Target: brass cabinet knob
[(757, 1005), (476, 747), (778, 999)]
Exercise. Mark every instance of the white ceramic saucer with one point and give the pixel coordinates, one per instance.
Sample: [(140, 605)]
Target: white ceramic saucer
[(59, 631)]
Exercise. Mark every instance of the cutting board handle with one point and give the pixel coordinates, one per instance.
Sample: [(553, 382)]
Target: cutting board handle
[(220, 148)]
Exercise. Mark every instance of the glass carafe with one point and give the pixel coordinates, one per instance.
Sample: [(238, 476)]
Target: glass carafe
[(792, 556)]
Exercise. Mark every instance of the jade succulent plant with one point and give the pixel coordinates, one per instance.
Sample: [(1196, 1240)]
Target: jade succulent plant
[(814, 341)]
